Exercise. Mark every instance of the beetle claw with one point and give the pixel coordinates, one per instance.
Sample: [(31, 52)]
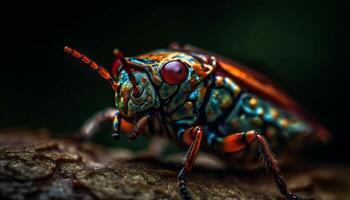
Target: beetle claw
[(132, 136), (140, 124), (116, 136)]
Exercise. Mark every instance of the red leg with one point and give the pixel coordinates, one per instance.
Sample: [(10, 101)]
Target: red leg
[(193, 137), (236, 142), (140, 125)]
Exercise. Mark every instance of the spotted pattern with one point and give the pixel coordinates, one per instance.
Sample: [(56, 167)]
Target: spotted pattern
[(205, 98)]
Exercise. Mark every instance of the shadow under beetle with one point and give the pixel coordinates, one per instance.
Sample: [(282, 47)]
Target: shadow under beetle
[(204, 101)]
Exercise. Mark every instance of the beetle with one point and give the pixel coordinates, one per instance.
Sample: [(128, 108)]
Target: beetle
[(204, 101)]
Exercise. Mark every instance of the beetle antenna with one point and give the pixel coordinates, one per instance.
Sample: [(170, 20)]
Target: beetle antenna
[(126, 66), (101, 70)]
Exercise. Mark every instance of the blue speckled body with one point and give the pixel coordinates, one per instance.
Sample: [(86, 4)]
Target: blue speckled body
[(208, 98), (201, 100), (225, 109)]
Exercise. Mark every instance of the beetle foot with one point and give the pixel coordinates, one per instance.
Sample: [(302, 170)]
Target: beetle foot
[(115, 136), (184, 193), (132, 136), (291, 196)]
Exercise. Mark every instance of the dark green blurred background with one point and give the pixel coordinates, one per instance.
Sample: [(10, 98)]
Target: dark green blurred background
[(302, 45)]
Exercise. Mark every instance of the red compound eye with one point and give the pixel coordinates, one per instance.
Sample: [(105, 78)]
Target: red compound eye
[(174, 72)]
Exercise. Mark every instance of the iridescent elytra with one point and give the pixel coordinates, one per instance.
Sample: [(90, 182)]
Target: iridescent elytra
[(203, 101)]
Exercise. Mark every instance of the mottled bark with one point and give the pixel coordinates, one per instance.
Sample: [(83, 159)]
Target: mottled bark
[(34, 165)]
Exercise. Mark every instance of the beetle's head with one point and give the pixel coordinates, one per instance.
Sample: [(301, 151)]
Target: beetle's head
[(158, 76), (144, 82), (135, 93)]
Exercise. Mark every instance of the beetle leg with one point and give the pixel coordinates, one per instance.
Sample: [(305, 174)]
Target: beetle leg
[(236, 142), (90, 127), (116, 125), (193, 137), (140, 125)]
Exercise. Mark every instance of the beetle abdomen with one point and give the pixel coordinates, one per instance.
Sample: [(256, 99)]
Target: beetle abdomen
[(229, 110)]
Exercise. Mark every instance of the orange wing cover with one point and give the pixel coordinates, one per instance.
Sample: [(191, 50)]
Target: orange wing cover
[(259, 84)]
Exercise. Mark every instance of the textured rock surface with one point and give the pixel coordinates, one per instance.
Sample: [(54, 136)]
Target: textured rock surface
[(36, 166)]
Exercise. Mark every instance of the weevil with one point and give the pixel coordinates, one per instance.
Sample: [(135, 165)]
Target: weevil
[(203, 101)]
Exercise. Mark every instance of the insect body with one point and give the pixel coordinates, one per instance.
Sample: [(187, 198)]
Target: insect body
[(203, 101)]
